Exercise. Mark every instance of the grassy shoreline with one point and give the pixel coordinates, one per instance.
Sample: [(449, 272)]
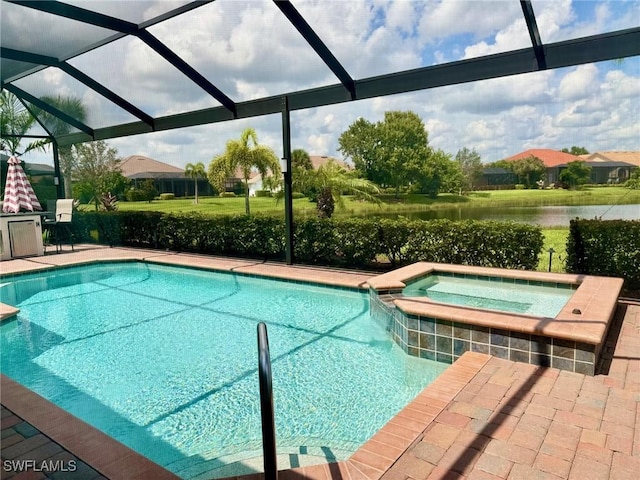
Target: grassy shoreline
[(555, 237), (389, 204)]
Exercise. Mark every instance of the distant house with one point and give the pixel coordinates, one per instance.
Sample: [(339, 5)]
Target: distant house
[(612, 167), (552, 159), (604, 170), (614, 156), (166, 178), (495, 178), (255, 181)]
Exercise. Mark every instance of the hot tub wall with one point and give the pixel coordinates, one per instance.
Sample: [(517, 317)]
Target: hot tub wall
[(446, 341)]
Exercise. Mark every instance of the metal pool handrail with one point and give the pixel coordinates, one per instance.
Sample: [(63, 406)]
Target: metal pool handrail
[(266, 405)]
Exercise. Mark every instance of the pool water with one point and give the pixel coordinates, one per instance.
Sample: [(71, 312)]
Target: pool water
[(508, 296), (164, 359)]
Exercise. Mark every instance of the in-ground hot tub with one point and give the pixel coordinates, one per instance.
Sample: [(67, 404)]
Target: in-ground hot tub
[(439, 323)]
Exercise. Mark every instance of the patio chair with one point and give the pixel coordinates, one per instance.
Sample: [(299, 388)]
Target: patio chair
[(59, 228)]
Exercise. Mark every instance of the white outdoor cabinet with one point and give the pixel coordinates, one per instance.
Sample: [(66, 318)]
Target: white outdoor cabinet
[(21, 235)]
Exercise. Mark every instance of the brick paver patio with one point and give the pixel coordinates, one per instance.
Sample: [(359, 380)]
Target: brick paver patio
[(484, 418)]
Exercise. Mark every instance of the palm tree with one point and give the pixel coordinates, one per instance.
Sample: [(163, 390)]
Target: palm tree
[(300, 159), (73, 107), (195, 171), (15, 122), (330, 181), (244, 154)]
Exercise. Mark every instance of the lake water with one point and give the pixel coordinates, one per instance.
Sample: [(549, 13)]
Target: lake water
[(544, 216)]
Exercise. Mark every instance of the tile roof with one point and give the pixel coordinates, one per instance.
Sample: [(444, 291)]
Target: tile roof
[(318, 160), (136, 164), (550, 158), (613, 156)]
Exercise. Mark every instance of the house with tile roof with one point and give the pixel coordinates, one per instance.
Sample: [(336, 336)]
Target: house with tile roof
[(614, 156), (604, 169), (166, 178)]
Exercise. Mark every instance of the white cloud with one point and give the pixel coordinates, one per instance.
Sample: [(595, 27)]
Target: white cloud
[(447, 18), (249, 50), (402, 15), (580, 83)]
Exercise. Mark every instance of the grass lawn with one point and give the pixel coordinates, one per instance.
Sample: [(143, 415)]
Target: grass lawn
[(555, 238), (388, 203)]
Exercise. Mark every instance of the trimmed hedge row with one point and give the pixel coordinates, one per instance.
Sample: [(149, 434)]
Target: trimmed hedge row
[(354, 242), (605, 247)]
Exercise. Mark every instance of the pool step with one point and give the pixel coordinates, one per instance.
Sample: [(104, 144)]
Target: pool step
[(251, 462)]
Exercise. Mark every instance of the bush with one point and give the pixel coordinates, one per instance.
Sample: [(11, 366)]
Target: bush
[(297, 195), (609, 248), (470, 242), (145, 192), (167, 196), (263, 193), (520, 186), (355, 242), (227, 194)]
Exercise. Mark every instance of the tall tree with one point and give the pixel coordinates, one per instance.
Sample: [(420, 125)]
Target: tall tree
[(244, 154), (529, 170), (439, 173), (300, 159), (360, 143), (73, 107), (574, 150), (404, 149), (576, 174), (471, 166), (195, 171), (97, 171), (391, 152), (15, 122)]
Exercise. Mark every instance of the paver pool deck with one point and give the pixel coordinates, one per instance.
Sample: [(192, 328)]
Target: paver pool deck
[(483, 418)]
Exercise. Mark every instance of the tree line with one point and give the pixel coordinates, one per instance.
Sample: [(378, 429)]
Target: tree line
[(392, 156)]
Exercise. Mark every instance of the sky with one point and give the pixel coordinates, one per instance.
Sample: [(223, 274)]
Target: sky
[(249, 50)]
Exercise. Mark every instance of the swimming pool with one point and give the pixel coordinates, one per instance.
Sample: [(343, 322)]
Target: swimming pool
[(494, 293), (176, 379)]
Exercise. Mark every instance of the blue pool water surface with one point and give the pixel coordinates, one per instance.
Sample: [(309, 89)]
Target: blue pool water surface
[(164, 359), (507, 296)]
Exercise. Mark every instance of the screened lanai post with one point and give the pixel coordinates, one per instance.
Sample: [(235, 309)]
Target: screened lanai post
[(57, 179), (288, 198)]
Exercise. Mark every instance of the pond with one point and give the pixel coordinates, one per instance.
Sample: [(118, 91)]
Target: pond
[(549, 216)]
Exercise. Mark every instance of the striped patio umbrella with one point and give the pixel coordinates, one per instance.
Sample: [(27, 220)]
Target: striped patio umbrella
[(18, 192)]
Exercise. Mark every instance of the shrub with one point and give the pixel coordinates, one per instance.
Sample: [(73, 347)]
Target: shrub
[(263, 193), (354, 242), (610, 248), (520, 186), (297, 195), (167, 196), (227, 194), (145, 192)]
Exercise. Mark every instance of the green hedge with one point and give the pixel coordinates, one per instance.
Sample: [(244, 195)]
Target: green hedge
[(609, 248), (354, 242)]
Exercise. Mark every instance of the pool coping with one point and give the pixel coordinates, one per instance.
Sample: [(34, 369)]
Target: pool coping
[(595, 299)]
